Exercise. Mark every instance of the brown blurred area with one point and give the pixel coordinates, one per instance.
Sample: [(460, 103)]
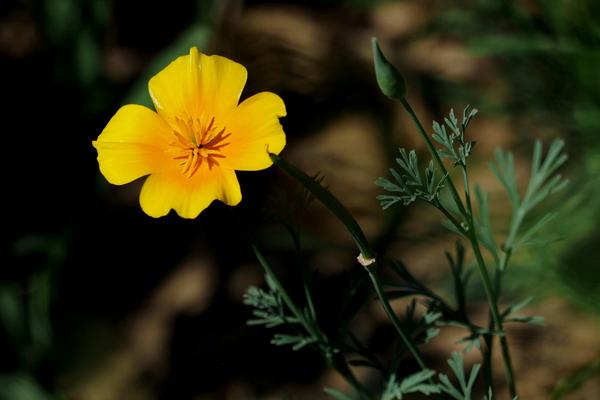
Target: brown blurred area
[(152, 309)]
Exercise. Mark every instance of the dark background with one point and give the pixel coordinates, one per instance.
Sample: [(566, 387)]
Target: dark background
[(99, 301)]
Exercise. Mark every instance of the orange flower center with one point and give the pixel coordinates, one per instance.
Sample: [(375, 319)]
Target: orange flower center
[(197, 142)]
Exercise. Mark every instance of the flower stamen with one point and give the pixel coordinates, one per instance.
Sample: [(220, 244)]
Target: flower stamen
[(195, 142)]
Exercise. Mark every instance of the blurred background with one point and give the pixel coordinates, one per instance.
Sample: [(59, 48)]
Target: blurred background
[(99, 301)]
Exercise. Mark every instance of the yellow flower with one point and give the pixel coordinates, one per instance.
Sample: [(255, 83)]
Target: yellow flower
[(197, 138)]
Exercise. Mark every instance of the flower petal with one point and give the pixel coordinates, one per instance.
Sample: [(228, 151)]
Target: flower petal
[(189, 196), (132, 145), (196, 83), (255, 131)]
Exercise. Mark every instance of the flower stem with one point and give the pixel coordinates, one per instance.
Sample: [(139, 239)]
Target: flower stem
[(434, 154), (286, 298), (491, 295), (488, 338), (329, 201), (450, 217), (408, 341), (344, 216), (493, 289)]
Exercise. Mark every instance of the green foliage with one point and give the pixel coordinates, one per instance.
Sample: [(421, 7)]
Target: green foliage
[(337, 395), (328, 200), (287, 205), (483, 225), (455, 146), (22, 387), (296, 341), (439, 311), (415, 383), (490, 395), (465, 386), (540, 185), (25, 308), (422, 382), (272, 311), (460, 276), (369, 359), (575, 380), (62, 19), (422, 329), (268, 308), (560, 41), (437, 308), (543, 182), (508, 314), (409, 185), (88, 58)]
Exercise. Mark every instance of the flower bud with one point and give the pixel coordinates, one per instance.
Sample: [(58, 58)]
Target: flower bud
[(389, 79)]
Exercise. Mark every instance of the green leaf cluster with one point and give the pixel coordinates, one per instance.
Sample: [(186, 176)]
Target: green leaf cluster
[(409, 184), (465, 385), (271, 311), (415, 383), (543, 181), (455, 146)]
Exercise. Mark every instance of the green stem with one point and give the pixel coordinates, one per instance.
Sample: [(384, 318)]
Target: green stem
[(515, 225), (467, 213), (450, 217), (338, 362), (488, 338), (434, 154), (329, 201), (487, 358), (495, 290), (344, 216), (499, 274), (286, 298), (491, 297), (334, 360), (467, 193), (487, 354), (372, 270), (492, 293)]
